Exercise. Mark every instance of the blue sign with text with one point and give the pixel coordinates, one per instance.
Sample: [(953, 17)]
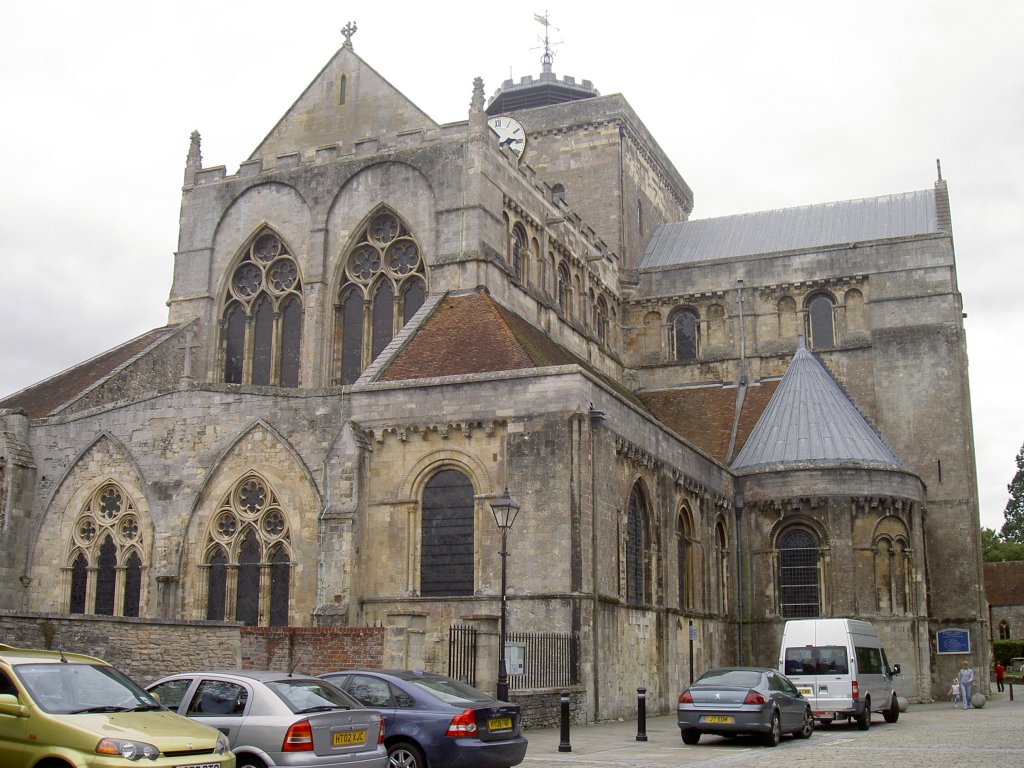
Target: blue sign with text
[(953, 641)]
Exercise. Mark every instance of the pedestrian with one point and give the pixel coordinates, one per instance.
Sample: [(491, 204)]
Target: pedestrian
[(1000, 674), (954, 691), (966, 678)]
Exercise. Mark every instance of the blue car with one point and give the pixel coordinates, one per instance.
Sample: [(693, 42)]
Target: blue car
[(434, 721)]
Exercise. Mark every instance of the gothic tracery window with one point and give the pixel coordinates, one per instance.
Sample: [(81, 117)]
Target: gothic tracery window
[(684, 566), (248, 557), (106, 558), (518, 252), (563, 288), (383, 285), (261, 328)]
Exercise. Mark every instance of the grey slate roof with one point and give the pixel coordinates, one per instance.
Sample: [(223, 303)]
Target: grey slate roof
[(788, 229), (811, 421)]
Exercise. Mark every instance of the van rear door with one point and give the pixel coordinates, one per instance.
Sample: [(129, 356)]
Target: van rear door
[(822, 674)]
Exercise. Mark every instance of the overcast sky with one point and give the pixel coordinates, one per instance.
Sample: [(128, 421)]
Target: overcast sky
[(760, 105)]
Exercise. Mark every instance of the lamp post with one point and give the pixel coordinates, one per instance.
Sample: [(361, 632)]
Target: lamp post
[(505, 509)]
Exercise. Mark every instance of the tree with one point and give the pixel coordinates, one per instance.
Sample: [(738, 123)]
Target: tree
[(1013, 528), (995, 549)]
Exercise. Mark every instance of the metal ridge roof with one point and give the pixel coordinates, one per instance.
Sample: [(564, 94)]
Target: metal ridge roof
[(789, 229), (811, 420)]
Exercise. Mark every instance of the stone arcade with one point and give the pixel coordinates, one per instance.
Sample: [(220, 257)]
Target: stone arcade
[(379, 322)]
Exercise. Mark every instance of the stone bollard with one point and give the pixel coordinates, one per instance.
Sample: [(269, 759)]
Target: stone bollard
[(641, 714), (978, 700), (564, 745)]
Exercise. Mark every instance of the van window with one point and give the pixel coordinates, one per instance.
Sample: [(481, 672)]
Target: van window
[(820, 660), (869, 661)]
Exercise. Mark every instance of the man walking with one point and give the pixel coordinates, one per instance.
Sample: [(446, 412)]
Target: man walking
[(966, 678), (1000, 674)]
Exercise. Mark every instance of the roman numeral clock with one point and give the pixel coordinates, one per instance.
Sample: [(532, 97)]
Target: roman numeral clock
[(510, 133)]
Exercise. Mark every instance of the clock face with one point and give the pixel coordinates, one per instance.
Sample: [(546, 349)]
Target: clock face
[(510, 133)]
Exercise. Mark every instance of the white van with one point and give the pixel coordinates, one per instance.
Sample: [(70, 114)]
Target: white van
[(839, 665)]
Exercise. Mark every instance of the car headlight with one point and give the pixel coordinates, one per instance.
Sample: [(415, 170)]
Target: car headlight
[(130, 750), (223, 745)]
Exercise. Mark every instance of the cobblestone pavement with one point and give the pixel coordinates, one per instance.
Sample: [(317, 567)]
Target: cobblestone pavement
[(926, 736)]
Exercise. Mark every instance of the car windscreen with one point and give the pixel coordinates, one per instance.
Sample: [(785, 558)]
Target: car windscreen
[(817, 660), (81, 688), (728, 678), (451, 690), (311, 695)]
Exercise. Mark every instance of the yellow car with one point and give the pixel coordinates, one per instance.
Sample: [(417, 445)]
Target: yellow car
[(65, 710)]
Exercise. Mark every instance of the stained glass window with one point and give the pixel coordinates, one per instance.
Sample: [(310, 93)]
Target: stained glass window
[(819, 313), (637, 546), (446, 545), (262, 320), (384, 265), (798, 575), (685, 332)]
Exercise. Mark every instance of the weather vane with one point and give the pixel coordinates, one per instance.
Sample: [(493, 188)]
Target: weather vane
[(348, 30), (549, 56)]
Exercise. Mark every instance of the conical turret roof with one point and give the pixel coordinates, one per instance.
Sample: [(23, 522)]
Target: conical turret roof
[(811, 421)]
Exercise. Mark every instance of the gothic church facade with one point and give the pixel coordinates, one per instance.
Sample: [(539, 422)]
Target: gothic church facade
[(379, 322)]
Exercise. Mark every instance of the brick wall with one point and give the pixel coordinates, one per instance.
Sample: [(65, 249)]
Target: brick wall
[(312, 650)]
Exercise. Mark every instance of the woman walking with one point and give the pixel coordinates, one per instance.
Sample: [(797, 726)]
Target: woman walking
[(966, 678)]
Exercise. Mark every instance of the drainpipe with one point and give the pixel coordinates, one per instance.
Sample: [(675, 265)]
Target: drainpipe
[(596, 418), (738, 504)]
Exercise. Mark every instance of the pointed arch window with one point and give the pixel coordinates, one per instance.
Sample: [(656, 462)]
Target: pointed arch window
[(248, 557), (683, 565), (564, 288), (518, 251), (1004, 630), (638, 546), (722, 553), (106, 556), (799, 591), (261, 326), (383, 286), (447, 536), (820, 320), (685, 335), (601, 319)]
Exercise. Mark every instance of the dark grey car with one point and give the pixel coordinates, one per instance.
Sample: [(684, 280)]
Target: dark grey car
[(278, 719), (735, 700)]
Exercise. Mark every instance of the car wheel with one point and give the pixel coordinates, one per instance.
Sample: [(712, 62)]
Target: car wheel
[(771, 739), (690, 735), (892, 714), (807, 728), (864, 718), (250, 761), (402, 754)]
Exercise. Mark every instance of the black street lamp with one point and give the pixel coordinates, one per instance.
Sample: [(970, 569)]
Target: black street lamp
[(505, 509)]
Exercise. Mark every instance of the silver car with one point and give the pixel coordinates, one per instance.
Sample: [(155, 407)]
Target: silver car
[(279, 719), (736, 700)]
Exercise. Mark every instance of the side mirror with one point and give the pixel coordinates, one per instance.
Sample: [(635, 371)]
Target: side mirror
[(895, 669), (9, 705)]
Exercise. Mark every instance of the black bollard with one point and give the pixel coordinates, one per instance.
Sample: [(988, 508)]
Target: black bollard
[(641, 714), (1011, 691), (564, 745)]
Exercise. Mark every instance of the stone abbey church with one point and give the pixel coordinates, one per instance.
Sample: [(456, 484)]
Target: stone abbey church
[(380, 322)]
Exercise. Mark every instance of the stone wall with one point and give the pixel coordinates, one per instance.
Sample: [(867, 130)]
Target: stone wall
[(144, 649)]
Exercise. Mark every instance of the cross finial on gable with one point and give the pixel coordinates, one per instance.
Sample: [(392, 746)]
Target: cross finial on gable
[(348, 31)]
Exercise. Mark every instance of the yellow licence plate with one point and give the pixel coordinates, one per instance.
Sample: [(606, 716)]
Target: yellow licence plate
[(717, 718), (806, 691), (349, 738), (500, 724)]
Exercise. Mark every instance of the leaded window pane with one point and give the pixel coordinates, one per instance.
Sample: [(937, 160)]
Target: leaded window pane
[(263, 339), (446, 544), (247, 606), (216, 581), (412, 299), (681, 559), (291, 342), (234, 348), (822, 332), (636, 549), (685, 328), (132, 585), (383, 314), (798, 575), (79, 584), (351, 337), (106, 578), (280, 575)]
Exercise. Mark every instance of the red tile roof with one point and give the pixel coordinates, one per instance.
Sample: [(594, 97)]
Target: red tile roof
[(42, 399)]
